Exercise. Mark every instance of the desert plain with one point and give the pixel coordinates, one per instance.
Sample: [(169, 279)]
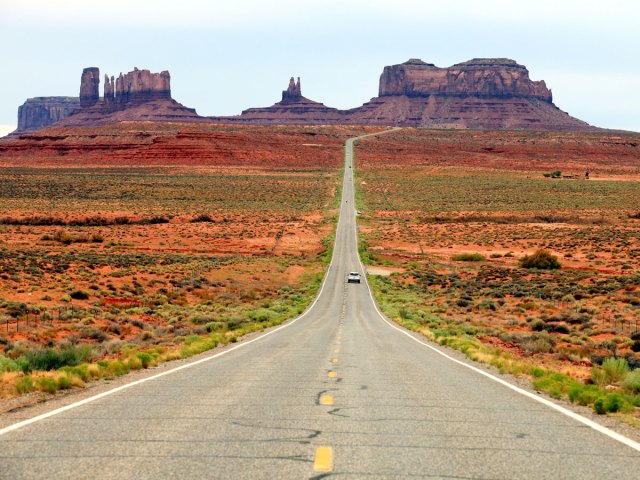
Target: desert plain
[(128, 245)]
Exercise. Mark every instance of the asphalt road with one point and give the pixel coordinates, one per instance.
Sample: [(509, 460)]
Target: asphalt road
[(338, 392)]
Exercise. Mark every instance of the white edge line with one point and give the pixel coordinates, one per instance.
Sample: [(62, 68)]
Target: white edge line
[(58, 411), (575, 416)]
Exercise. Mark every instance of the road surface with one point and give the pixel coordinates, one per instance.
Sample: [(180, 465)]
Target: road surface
[(339, 393)]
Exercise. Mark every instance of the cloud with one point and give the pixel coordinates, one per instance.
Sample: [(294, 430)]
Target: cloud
[(319, 14)]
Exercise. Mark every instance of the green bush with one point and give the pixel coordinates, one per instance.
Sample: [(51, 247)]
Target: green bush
[(468, 257), (583, 394), (616, 369), (79, 295), (599, 376), (611, 403), (632, 381), (8, 365), (542, 259), (145, 358), (24, 385), (48, 385), (51, 359)]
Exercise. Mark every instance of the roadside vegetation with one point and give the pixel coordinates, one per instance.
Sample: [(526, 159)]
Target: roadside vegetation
[(537, 277), (108, 270)]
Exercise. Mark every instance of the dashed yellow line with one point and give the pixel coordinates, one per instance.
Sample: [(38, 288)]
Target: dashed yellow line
[(331, 374), (337, 350), (326, 399), (323, 461), (334, 360)]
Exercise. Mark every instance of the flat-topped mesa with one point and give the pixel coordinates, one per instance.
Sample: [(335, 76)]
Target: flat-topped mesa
[(480, 77), (89, 87), (137, 87), (293, 93), (40, 112)]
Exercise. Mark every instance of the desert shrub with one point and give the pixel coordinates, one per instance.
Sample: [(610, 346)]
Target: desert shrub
[(81, 371), (542, 259), (47, 384), (51, 359), (8, 365), (616, 369), (153, 220), (146, 359), (202, 318), (63, 237), (583, 394), (79, 295), (632, 381), (24, 385), (539, 326), (610, 403), (215, 326), (94, 334), (64, 382), (468, 257), (97, 238), (538, 343), (203, 217)]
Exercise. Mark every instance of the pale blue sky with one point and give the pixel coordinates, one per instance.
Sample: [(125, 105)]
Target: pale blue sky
[(226, 56)]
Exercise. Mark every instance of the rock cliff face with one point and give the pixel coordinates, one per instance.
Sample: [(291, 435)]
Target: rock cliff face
[(137, 95), (40, 112), (89, 87), (480, 77), (481, 94), (137, 87)]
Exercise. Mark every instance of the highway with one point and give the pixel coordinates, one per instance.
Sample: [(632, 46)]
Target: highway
[(339, 392)]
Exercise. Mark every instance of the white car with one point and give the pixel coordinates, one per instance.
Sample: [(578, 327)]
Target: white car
[(353, 277)]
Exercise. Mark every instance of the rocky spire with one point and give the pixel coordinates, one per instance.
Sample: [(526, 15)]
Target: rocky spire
[(89, 87), (293, 92), (109, 90)]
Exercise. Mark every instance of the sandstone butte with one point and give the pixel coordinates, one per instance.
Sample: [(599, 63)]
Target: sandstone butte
[(480, 94)]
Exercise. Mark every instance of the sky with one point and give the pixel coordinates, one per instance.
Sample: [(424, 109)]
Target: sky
[(230, 55)]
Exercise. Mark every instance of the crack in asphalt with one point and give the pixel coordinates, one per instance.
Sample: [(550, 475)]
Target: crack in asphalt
[(335, 413)]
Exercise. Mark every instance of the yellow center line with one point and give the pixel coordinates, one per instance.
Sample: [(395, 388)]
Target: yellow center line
[(331, 374), (326, 399), (323, 461), (334, 360), (337, 350)]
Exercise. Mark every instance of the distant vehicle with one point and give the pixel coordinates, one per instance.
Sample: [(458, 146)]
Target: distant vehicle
[(359, 212), (353, 277)]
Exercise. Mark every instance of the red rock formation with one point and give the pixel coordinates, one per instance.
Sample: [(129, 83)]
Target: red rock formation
[(89, 87), (293, 93), (40, 112), (137, 95), (109, 91), (140, 86), (293, 109), (480, 77), (481, 94)]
